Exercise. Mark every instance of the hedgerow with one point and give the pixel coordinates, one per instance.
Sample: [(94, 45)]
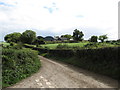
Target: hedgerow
[(103, 60), (18, 64)]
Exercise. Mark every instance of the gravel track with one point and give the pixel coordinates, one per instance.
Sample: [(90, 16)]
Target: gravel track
[(54, 74)]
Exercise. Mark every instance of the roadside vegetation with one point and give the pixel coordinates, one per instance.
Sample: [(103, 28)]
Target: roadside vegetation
[(17, 63), (97, 54), (103, 60), (80, 45)]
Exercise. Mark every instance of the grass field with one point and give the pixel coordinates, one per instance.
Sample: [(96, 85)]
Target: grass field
[(53, 46), (81, 44)]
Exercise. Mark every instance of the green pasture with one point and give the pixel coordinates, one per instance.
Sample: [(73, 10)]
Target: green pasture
[(53, 46), (81, 44)]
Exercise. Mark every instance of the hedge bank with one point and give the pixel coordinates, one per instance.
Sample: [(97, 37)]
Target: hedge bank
[(18, 64), (104, 61)]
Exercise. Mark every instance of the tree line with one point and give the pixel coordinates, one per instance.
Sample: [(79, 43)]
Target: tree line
[(30, 37)]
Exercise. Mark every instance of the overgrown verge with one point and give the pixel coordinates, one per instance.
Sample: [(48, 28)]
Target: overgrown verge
[(100, 60), (18, 64), (103, 61)]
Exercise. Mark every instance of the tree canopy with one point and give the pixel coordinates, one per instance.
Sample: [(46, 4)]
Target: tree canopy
[(28, 36), (40, 37), (13, 37), (93, 39), (68, 36), (102, 38), (78, 35)]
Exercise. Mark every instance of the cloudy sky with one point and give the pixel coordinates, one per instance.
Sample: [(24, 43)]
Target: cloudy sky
[(56, 17)]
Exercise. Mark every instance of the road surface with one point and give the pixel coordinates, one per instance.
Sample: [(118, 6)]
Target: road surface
[(54, 74)]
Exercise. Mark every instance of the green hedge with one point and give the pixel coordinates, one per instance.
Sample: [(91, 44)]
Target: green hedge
[(103, 60), (62, 53), (18, 64)]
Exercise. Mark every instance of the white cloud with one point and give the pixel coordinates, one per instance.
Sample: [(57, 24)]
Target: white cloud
[(90, 16)]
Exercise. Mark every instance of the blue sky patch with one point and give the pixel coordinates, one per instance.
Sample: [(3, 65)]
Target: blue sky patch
[(52, 8), (5, 4)]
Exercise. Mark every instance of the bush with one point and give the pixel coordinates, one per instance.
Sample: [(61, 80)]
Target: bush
[(17, 46), (12, 43), (72, 41), (61, 53), (62, 46), (103, 60), (18, 64)]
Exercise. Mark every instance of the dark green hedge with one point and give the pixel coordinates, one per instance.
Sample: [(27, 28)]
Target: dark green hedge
[(18, 64), (41, 50), (103, 60), (62, 53)]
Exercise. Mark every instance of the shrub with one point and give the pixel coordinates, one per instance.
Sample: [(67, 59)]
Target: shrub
[(103, 60), (46, 47), (62, 53), (12, 44), (108, 41), (93, 39), (62, 46), (18, 64), (17, 46), (72, 41)]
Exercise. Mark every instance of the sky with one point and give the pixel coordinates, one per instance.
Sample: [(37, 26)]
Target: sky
[(59, 17)]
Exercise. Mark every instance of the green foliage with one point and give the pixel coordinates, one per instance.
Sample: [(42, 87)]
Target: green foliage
[(39, 41), (67, 36), (28, 36), (61, 53), (78, 35), (102, 38), (49, 38), (103, 60), (12, 44), (93, 39), (13, 37), (40, 37), (62, 46), (4, 44), (18, 46), (54, 46), (18, 64)]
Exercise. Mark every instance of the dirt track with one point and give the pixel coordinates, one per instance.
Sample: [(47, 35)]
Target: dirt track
[(59, 75)]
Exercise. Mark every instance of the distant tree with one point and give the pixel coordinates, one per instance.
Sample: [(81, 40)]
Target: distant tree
[(49, 38), (118, 40), (102, 38), (93, 39), (78, 35), (39, 41), (13, 37), (28, 36), (40, 37), (57, 38), (67, 36)]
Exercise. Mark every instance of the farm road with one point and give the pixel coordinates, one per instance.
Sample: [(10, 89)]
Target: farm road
[(59, 75)]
